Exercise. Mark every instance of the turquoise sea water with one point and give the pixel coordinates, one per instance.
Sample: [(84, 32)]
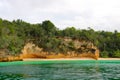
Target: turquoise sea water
[(61, 70)]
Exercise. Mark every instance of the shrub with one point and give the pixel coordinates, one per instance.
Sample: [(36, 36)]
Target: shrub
[(104, 54), (117, 54)]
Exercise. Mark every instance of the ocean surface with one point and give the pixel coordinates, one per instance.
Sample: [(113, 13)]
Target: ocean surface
[(61, 70)]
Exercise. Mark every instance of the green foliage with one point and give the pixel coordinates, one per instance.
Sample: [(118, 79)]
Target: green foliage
[(104, 54), (117, 54), (70, 32), (49, 28), (13, 36)]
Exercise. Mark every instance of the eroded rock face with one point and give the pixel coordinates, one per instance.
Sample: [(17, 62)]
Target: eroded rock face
[(5, 56), (97, 53), (31, 48), (4, 53), (85, 49)]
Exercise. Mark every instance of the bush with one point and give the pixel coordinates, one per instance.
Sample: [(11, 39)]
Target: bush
[(104, 54), (116, 54)]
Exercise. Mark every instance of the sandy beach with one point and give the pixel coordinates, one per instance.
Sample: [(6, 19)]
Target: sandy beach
[(109, 59), (37, 59)]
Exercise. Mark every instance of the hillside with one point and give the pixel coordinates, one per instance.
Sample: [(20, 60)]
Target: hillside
[(14, 35)]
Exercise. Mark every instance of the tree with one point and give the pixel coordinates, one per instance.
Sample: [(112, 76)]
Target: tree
[(49, 28), (117, 54), (70, 32), (104, 54)]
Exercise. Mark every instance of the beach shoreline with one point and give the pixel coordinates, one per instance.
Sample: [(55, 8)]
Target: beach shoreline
[(60, 59)]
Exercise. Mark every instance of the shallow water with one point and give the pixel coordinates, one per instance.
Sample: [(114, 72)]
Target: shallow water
[(60, 70)]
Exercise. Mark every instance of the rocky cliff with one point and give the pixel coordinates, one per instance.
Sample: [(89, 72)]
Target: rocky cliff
[(79, 49)]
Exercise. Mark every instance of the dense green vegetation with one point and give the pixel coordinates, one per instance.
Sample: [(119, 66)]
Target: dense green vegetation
[(14, 35)]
